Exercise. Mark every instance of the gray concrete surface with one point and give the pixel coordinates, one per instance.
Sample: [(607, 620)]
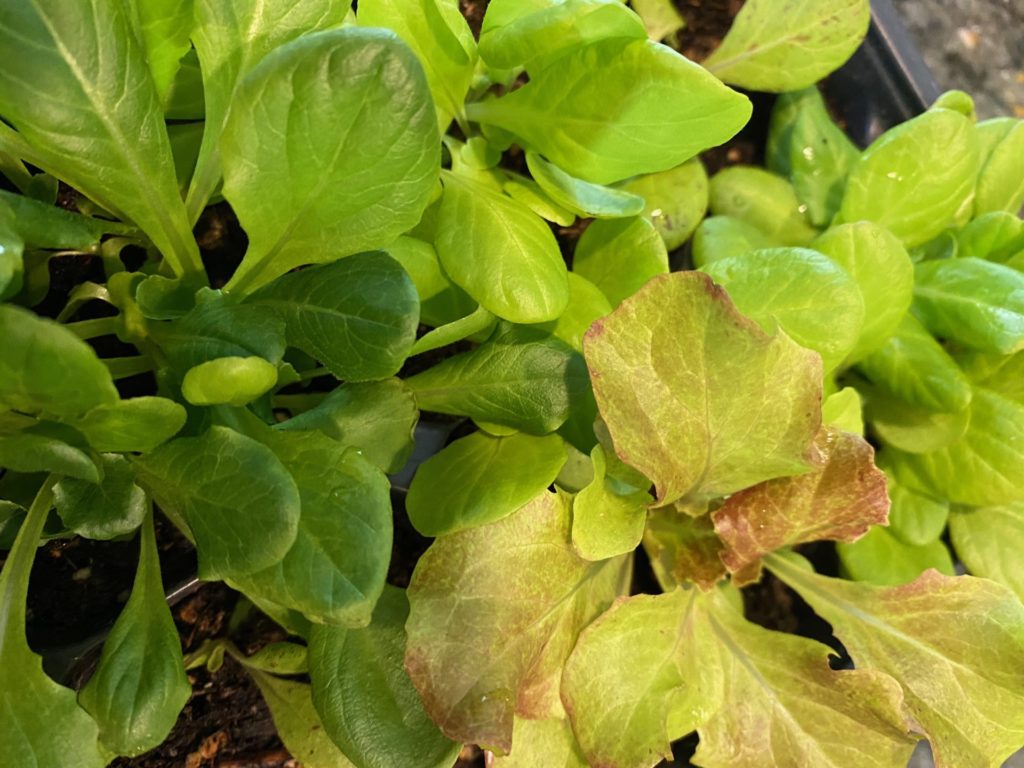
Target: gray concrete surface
[(974, 45)]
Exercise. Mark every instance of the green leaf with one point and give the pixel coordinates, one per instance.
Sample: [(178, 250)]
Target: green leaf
[(915, 518), (335, 569), (1002, 374), (238, 502), (608, 519), (586, 304), (297, 723), (529, 193), (164, 28), (441, 301), (666, 664), (231, 40), (783, 46), (481, 479), (366, 700), (45, 368), (438, 34), (763, 200), (812, 151), (216, 328), (619, 256), (719, 237), (228, 380), (139, 687), (696, 396), (511, 264), (882, 269), (660, 17), (618, 108), (910, 428), (100, 127), (582, 197), (346, 136), (915, 178), (975, 302), (521, 378), (12, 248), (33, 708), (29, 452), (955, 645), (377, 419), (550, 743), (357, 316), (838, 501), (106, 510), (1001, 170), (914, 367), (989, 541), (537, 37), (815, 301), (676, 200), (46, 226), (488, 635), (983, 467), (843, 410), (997, 236), (138, 424), (280, 658)]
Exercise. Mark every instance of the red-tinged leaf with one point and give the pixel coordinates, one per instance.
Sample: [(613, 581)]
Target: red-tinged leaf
[(683, 549), (494, 612), (840, 500)]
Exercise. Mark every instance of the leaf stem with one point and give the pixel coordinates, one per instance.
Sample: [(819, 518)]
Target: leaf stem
[(462, 328), (91, 329)]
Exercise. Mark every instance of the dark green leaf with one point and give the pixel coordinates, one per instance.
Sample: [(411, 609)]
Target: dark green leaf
[(106, 510)]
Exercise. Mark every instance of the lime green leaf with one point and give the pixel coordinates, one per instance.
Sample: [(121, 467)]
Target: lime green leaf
[(237, 500), (882, 269), (100, 127), (231, 40), (536, 37), (676, 200), (914, 367), (997, 236), (955, 645), (618, 108), (33, 707), (106, 510), (973, 301), (620, 256), (480, 479), (763, 200), (840, 500), (777, 47), (660, 17), (915, 178), (529, 193), (1001, 170), (297, 723), (45, 368), (31, 452), (670, 367), (910, 428), (335, 568), (550, 743), (915, 518), (302, 110), (982, 468), (377, 419), (607, 519), (816, 302), (441, 301), (229, 380), (280, 658), (438, 34), (683, 548), (843, 410), (164, 28), (511, 264), (586, 304), (488, 635), (1002, 374), (521, 378), (582, 197), (364, 697), (989, 540), (719, 237), (137, 424), (140, 687), (357, 316)]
